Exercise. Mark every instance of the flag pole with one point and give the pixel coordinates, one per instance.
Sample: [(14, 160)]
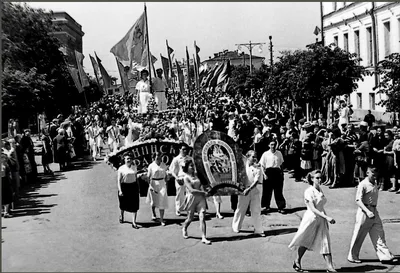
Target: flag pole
[(148, 47), (171, 71)]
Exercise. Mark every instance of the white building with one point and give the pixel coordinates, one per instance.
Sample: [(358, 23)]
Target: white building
[(370, 29)]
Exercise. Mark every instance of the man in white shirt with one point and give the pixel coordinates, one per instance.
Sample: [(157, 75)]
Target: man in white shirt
[(176, 170), (271, 162), (160, 86)]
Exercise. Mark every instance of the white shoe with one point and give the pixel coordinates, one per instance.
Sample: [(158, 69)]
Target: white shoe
[(205, 241), (184, 233)]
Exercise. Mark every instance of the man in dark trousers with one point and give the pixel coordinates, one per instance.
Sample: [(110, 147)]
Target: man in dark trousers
[(271, 162), (370, 119)]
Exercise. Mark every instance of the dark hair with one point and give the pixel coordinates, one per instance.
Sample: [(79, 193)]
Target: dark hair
[(144, 71), (155, 155), (130, 154), (186, 164), (311, 175)]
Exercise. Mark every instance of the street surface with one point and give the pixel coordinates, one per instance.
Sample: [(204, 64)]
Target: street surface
[(69, 222)]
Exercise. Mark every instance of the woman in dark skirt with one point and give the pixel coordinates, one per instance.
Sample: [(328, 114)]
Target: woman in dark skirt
[(128, 189), (47, 152)]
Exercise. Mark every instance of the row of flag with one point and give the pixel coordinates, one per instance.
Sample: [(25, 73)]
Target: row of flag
[(132, 54)]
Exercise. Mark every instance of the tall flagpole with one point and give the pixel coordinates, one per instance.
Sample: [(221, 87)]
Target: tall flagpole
[(171, 71), (148, 47)]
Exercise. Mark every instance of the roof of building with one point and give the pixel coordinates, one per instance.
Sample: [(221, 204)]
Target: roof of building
[(231, 55)]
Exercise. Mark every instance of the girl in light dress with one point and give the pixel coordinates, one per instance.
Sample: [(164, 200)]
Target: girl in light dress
[(157, 193), (313, 232), (195, 200)]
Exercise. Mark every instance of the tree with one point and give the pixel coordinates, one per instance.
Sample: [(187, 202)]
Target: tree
[(241, 82), (35, 74), (315, 75), (389, 70)]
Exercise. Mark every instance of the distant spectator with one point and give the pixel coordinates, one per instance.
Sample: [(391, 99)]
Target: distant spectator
[(370, 119)]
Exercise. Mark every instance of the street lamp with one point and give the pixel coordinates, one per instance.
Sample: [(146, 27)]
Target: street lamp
[(250, 47)]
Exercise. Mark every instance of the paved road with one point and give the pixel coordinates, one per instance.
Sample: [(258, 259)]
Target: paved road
[(70, 223)]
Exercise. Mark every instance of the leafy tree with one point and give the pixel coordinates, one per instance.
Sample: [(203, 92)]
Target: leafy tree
[(315, 75), (35, 74), (389, 70)]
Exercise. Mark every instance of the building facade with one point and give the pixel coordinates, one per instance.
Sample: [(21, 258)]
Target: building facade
[(70, 35), (372, 31), (235, 58)]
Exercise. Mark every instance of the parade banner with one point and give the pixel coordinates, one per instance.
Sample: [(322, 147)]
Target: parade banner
[(219, 163), (143, 151)]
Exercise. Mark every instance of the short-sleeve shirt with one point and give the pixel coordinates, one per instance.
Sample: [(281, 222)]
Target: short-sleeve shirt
[(253, 174), (128, 174), (159, 84), (271, 160), (367, 192), (177, 163)]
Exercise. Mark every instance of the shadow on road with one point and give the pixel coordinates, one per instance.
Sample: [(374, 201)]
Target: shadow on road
[(31, 203), (361, 268), (294, 210), (82, 165)]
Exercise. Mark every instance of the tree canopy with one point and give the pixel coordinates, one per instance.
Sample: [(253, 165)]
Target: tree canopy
[(389, 70), (35, 74)]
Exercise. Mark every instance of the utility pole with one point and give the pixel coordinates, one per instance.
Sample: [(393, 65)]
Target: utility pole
[(250, 46)]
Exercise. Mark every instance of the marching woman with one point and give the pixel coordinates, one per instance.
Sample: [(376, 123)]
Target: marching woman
[(313, 232), (157, 194), (128, 189), (251, 196), (195, 200)]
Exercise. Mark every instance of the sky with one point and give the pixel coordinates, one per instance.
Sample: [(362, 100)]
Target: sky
[(214, 26)]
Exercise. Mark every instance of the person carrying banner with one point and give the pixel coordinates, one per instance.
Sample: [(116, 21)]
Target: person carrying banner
[(195, 200), (176, 170), (144, 92), (251, 196), (160, 87)]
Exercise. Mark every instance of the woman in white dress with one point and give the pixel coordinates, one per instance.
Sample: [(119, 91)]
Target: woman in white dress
[(157, 194), (313, 232), (144, 94), (344, 116)]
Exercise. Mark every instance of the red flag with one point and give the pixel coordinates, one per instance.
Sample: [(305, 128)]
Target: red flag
[(96, 70), (75, 77), (225, 74), (214, 79), (79, 61), (106, 78), (123, 75), (181, 77), (165, 67), (188, 70), (132, 46)]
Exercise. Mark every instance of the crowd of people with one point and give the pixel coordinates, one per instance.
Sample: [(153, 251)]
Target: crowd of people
[(274, 138)]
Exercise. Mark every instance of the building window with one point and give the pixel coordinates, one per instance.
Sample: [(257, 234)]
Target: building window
[(386, 33), (336, 40), (357, 42), (346, 42), (372, 101), (334, 5), (359, 100), (369, 46)]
